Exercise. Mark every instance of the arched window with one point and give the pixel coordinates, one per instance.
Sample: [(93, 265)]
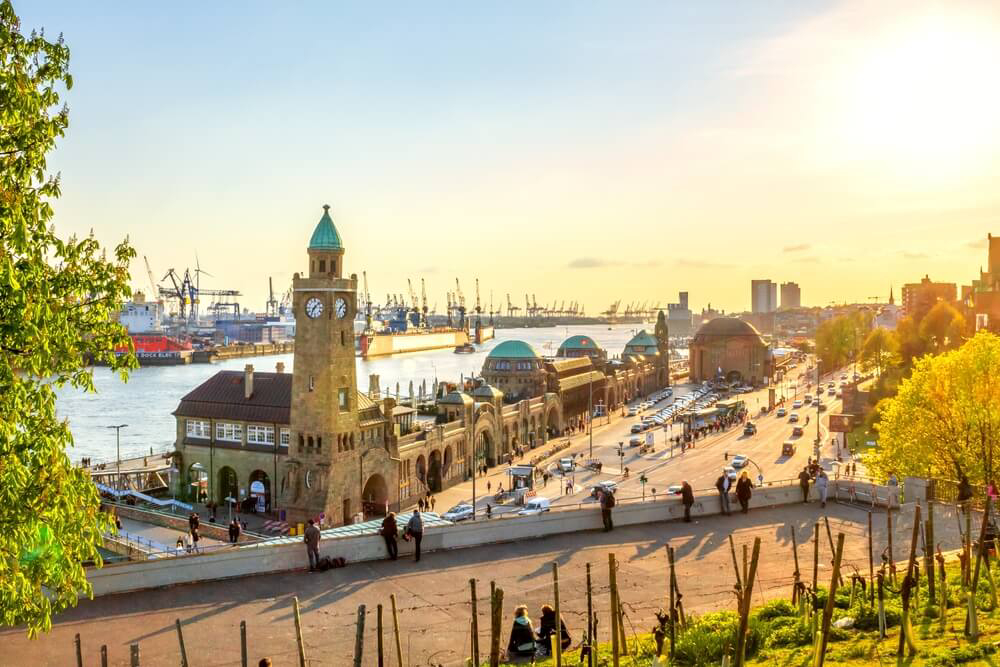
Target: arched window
[(322, 266), (302, 443), (319, 443), (310, 441)]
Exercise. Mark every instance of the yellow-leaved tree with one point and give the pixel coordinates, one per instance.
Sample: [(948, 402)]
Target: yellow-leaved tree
[(945, 420)]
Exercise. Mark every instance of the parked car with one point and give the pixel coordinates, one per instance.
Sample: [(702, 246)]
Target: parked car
[(536, 505), (634, 441), (781, 412), (633, 411), (459, 512), (636, 428), (739, 461)]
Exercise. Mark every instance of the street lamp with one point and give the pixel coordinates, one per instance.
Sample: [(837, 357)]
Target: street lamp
[(621, 456), (118, 447), (171, 471)]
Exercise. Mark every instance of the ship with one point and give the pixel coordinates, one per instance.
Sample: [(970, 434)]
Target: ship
[(405, 330), (153, 345)]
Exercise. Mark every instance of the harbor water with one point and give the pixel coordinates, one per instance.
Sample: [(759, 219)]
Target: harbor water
[(146, 402)]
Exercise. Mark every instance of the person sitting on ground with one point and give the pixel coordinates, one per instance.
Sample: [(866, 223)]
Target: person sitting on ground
[(522, 635), (547, 627)]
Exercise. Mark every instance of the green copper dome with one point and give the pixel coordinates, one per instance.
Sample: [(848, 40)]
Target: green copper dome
[(325, 236), (513, 349)]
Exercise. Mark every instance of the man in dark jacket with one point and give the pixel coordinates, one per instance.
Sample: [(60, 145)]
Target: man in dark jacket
[(415, 528), (744, 489), (234, 531), (804, 479), (547, 628), (607, 504), (722, 484), (687, 497), (311, 538), (389, 535)]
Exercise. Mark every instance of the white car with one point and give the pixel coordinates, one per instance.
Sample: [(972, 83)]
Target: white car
[(739, 461), (781, 412), (732, 474), (792, 418), (797, 404), (633, 411), (459, 512), (534, 506), (566, 464)]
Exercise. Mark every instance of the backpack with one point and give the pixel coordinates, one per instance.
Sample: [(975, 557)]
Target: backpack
[(610, 501)]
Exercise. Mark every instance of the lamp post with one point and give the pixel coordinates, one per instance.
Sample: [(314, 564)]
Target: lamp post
[(621, 456), (198, 468), (118, 448), (590, 414), (171, 471)]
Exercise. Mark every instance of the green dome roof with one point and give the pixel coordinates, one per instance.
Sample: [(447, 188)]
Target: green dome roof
[(579, 343), (642, 339), (513, 349), (325, 236)]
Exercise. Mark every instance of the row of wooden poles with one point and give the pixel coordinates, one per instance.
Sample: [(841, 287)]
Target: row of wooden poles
[(674, 621)]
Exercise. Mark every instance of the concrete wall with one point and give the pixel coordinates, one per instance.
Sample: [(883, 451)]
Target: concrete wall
[(179, 522), (260, 558)]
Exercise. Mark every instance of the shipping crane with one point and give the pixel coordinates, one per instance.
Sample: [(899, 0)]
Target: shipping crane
[(479, 310), (272, 303), (414, 303), (154, 293), (423, 303), (461, 304), (512, 310)]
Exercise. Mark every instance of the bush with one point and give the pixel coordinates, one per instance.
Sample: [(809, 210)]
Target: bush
[(950, 657), (776, 609), (797, 634)]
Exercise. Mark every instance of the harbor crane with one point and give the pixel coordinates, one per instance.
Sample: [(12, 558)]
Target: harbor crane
[(527, 305), (612, 310), (368, 302), (272, 303), (512, 310), (415, 305), (461, 304), (155, 292), (423, 302), (479, 310)]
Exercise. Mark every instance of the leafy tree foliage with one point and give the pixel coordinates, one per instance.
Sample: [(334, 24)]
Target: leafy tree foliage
[(58, 299), (880, 351), (942, 328), (839, 338), (945, 420)]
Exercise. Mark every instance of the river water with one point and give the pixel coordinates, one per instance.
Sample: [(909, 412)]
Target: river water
[(151, 394)]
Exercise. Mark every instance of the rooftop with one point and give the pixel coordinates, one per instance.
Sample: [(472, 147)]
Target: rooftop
[(579, 343), (325, 236), (513, 349)]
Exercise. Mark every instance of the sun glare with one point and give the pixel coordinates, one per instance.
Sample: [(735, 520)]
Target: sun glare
[(928, 90)]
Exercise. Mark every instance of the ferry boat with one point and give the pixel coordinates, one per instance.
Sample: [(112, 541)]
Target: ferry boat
[(153, 346)]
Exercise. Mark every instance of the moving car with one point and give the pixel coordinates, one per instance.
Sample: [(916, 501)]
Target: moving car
[(534, 506), (634, 441), (674, 489), (750, 429), (459, 512), (607, 486), (808, 399), (797, 431), (792, 418), (633, 411), (831, 392), (732, 474), (788, 448), (781, 412), (797, 404), (820, 406), (566, 464), (636, 428), (739, 461)]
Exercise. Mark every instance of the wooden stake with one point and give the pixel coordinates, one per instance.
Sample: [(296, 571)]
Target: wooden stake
[(496, 606), (815, 556), (180, 640), (298, 631), (395, 632), (905, 631), (614, 611), (104, 655), (746, 554), (797, 575), (475, 623), (972, 625), (968, 541), (378, 644), (555, 596), (833, 551), (79, 650), (591, 641), (134, 655), (871, 562), (736, 566), (747, 593), (929, 565), (243, 644), (892, 557), (828, 610), (359, 637), (672, 614)]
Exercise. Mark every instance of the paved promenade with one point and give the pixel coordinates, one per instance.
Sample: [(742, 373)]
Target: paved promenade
[(433, 595)]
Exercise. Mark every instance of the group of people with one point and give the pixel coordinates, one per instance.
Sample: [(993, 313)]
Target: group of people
[(427, 505), (814, 473), (414, 531), (526, 642), (744, 491)]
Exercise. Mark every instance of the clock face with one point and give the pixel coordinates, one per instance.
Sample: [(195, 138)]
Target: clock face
[(314, 308), (341, 307)]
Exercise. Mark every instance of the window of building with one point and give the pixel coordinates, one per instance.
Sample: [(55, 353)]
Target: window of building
[(229, 432), (319, 443), (197, 428), (260, 435), (285, 436), (322, 266), (312, 383), (342, 398)]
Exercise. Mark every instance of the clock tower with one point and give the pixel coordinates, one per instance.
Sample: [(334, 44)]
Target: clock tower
[(324, 405)]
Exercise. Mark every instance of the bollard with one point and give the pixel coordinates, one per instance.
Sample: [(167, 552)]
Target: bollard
[(79, 650)]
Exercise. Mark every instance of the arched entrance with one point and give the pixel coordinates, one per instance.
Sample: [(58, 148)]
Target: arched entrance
[(484, 454), (733, 376), (260, 492), (197, 482), (525, 431), (421, 469), (446, 465), (375, 496), (434, 472), (229, 486)]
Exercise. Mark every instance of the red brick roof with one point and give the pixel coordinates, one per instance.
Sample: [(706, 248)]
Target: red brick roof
[(222, 397)]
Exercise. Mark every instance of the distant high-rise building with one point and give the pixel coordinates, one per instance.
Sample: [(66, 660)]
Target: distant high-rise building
[(679, 316), (763, 296), (918, 298), (791, 295)]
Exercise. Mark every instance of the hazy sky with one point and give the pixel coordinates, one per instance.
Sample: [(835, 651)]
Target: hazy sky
[(574, 150)]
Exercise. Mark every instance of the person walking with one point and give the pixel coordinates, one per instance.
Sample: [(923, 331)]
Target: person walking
[(744, 489), (722, 484), (311, 538), (489, 511), (804, 483), (234, 531), (687, 498), (433, 502), (415, 528), (420, 504), (607, 504), (822, 484), (388, 532)]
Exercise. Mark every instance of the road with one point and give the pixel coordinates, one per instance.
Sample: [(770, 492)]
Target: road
[(700, 465)]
